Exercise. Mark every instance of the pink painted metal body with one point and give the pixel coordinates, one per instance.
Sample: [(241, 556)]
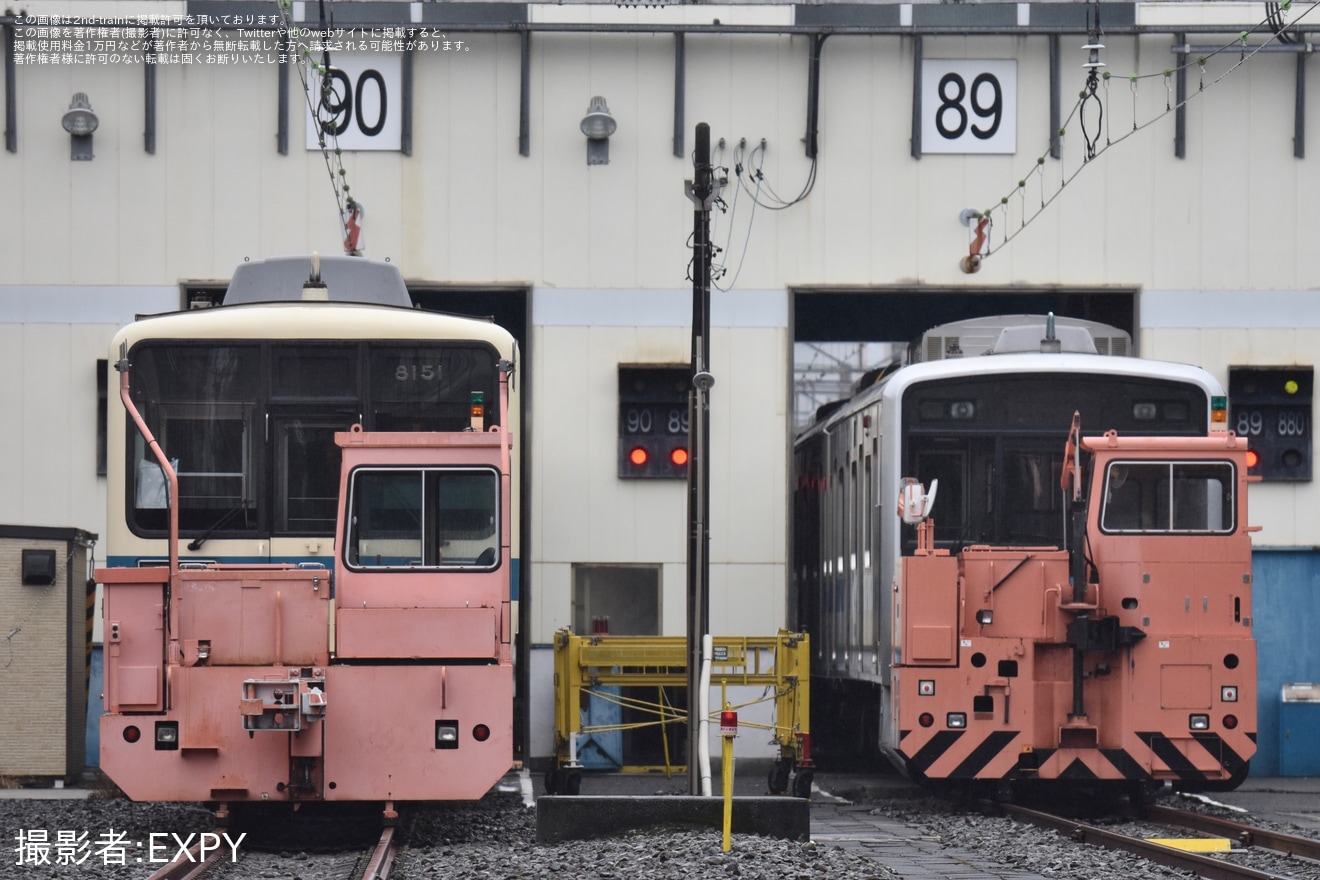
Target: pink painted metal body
[(381, 682), (1147, 673)]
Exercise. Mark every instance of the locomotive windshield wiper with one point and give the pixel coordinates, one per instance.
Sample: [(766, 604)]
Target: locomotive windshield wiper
[(196, 543)]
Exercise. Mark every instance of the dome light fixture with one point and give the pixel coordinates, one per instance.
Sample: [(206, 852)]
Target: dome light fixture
[(80, 121), (598, 125)]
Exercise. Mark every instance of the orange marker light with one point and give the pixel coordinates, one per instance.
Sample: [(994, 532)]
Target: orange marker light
[(1252, 458), (679, 456), (638, 456)]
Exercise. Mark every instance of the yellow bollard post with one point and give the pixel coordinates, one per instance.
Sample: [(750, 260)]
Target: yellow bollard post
[(728, 730)]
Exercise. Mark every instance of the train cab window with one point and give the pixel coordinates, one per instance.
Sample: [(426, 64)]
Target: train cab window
[(1168, 497), (209, 449), (430, 518)]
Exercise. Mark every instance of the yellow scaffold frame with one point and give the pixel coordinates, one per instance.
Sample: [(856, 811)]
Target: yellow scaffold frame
[(778, 663)]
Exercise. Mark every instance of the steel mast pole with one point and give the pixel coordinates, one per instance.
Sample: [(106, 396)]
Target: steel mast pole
[(702, 190)]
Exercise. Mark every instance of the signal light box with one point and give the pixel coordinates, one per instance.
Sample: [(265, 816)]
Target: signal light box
[(1271, 408), (653, 421)]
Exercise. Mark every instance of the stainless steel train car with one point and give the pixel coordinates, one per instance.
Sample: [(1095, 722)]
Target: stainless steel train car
[(1013, 633), (313, 533)]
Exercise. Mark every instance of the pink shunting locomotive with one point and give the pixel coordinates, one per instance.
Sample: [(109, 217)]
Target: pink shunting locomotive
[(1016, 633), (1127, 657), (387, 677)]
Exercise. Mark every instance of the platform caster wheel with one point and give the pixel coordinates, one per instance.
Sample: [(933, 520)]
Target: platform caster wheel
[(802, 784), (552, 781), (571, 782)]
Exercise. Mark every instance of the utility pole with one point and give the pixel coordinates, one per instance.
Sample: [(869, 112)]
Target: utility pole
[(702, 190)]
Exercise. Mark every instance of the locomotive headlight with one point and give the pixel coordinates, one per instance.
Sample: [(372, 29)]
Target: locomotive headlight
[(957, 720), (985, 616), (963, 409), (167, 736), (1199, 722), (1228, 693), (446, 734), (1144, 411)]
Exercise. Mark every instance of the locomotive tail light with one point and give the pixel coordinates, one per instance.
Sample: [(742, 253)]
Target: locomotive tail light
[(1230, 722), (679, 456), (956, 720), (926, 719), (1228, 693), (926, 687), (481, 733), (1198, 722), (167, 736), (985, 617), (446, 734), (132, 734), (638, 456)]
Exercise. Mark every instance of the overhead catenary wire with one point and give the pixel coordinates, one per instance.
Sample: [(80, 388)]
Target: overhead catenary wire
[(332, 154), (1272, 25)]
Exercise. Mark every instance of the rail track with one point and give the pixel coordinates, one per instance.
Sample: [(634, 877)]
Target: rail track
[(221, 862), (1291, 856)]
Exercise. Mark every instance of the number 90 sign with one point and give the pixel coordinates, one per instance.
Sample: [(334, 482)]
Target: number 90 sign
[(968, 106), (361, 108)]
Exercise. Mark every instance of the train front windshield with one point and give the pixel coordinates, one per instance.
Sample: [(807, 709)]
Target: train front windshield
[(249, 426), (996, 446)]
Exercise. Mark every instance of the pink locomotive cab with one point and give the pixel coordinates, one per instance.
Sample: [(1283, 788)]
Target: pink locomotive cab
[(1124, 661), (389, 679)]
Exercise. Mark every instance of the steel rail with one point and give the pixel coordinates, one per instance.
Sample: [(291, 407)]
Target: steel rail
[(190, 867), (382, 859), (1247, 835), (1204, 866)]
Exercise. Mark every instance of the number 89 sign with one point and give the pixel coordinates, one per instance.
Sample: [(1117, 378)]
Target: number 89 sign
[(361, 107), (968, 106)]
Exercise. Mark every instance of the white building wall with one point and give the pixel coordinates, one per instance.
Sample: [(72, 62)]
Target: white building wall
[(604, 248)]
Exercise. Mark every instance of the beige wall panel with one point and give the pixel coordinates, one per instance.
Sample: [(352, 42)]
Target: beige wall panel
[(563, 63), (45, 177), (44, 491), (14, 399), (1177, 344), (552, 589), (673, 599), (747, 470), (746, 599), (560, 510)]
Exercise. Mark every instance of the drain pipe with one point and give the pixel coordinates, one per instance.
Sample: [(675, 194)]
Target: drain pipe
[(703, 715)]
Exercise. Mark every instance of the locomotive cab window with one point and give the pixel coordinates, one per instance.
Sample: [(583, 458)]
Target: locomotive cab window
[(430, 518), (1169, 496)]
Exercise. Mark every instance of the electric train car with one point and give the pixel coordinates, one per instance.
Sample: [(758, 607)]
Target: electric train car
[(983, 610), (311, 545)]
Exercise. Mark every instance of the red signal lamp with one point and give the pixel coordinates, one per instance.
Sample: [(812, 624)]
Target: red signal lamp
[(679, 456), (1253, 458), (638, 456)]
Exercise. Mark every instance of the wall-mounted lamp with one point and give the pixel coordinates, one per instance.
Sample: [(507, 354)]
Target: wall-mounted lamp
[(80, 122), (38, 567), (598, 125)]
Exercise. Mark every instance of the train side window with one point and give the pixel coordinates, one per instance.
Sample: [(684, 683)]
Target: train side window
[(428, 518), (1168, 497)]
